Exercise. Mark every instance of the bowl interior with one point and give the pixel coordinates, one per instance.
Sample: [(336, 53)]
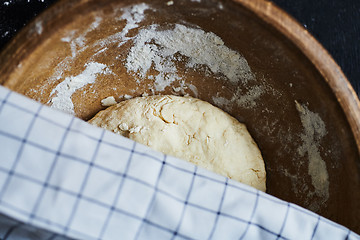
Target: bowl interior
[(309, 149)]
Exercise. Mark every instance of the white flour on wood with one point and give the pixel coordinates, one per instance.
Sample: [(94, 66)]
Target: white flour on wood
[(63, 92), (314, 131), (246, 100), (157, 49), (151, 49), (133, 15), (61, 95)]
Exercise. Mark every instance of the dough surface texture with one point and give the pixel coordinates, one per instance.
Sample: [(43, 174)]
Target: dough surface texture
[(190, 129)]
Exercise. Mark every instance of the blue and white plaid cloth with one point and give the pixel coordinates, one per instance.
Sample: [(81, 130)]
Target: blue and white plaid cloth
[(62, 178)]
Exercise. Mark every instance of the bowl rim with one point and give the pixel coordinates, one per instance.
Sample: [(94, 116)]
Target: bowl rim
[(316, 53)]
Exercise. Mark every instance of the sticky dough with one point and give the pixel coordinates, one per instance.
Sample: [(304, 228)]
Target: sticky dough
[(189, 129)]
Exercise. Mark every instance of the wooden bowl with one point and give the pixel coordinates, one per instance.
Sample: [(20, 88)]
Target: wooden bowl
[(300, 108)]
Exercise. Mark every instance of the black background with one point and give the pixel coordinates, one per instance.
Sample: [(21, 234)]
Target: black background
[(334, 23)]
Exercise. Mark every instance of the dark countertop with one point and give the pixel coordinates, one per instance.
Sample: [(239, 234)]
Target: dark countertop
[(334, 23)]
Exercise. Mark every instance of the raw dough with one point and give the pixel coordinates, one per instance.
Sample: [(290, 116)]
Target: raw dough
[(189, 129)]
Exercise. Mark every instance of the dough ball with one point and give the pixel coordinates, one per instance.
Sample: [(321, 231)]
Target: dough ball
[(189, 129)]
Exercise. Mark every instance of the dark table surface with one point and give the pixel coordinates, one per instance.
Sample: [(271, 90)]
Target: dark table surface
[(334, 23)]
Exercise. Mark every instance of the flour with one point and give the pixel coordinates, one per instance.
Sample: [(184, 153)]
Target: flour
[(245, 100), (220, 6), (157, 49), (63, 92), (77, 44), (38, 27), (95, 24), (152, 49), (133, 15), (194, 89), (314, 131), (170, 3), (61, 95)]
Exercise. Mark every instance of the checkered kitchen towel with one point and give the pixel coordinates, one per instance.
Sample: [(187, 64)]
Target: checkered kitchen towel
[(62, 178)]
